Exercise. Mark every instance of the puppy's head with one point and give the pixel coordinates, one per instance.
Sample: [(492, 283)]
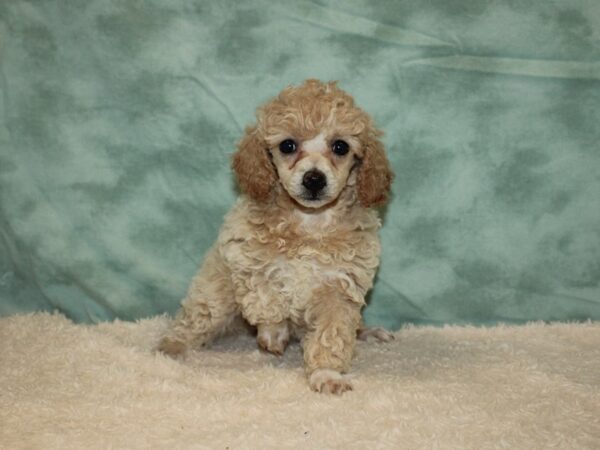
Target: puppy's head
[(314, 141)]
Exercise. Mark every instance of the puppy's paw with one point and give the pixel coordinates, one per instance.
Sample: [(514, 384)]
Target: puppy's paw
[(273, 338), (329, 382), (172, 347), (381, 334)]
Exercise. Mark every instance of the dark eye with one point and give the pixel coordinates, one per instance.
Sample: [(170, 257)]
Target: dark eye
[(340, 147), (288, 146)]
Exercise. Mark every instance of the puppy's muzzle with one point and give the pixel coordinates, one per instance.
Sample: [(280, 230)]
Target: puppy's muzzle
[(314, 181)]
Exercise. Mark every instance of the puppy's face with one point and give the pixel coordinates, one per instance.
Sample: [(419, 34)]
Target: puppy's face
[(314, 168), (313, 141)]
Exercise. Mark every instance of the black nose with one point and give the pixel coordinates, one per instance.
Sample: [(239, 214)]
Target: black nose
[(314, 181)]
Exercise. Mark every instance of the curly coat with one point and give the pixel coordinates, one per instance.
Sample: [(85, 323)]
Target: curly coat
[(287, 269)]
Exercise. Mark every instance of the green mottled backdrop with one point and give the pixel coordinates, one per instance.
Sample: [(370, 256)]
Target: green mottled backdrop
[(118, 119)]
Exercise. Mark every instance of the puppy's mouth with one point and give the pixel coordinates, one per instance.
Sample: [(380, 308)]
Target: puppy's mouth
[(309, 202), (310, 196)]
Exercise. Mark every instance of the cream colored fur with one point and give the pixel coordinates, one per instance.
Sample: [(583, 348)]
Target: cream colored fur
[(66, 386), (290, 264)]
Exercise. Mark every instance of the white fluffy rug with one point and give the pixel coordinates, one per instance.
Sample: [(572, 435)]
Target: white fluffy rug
[(74, 386)]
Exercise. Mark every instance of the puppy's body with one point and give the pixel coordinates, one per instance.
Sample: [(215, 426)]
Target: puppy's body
[(292, 258)]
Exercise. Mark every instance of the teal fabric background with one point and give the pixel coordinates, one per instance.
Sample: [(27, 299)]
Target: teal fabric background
[(118, 120)]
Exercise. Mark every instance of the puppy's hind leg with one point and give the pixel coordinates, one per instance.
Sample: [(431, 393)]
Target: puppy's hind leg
[(208, 309), (380, 334)]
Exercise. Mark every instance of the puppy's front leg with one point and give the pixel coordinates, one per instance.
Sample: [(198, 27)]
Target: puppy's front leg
[(333, 321)]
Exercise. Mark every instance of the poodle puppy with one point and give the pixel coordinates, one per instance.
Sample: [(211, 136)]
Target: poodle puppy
[(298, 251)]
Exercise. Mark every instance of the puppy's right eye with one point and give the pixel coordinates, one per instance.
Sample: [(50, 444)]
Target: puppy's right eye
[(288, 146)]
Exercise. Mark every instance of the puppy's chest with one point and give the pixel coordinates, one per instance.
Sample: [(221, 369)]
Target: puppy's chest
[(288, 259), (299, 260), (292, 268), (295, 274)]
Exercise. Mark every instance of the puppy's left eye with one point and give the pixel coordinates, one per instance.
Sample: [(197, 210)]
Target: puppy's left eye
[(340, 147)]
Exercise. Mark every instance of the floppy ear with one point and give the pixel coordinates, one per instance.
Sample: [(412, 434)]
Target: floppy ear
[(374, 174), (253, 167)]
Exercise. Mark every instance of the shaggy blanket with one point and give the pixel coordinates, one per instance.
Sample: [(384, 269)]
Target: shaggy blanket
[(102, 386)]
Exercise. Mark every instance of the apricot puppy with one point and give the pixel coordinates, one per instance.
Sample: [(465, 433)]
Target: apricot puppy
[(298, 251)]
